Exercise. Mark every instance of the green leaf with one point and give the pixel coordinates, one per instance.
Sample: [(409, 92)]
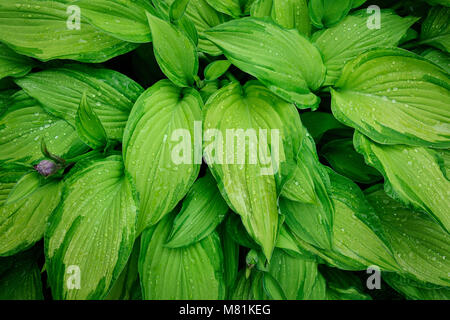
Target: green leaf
[(326, 13), (47, 30), (307, 184), (358, 3), (25, 123), (13, 64), (250, 288), (354, 215), (216, 69), (412, 175), (342, 285), (345, 160), (445, 162), (165, 166), (318, 123), (22, 280), (203, 17), (189, 273), (436, 28), (295, 275), (236, 230), (9, 175), (23, 222), (230, 7), (270, 53), (24, 187), (420, 245), (177, 9), (287, 242), (438, 57), (308, 222), (272, 288), (203, 210), (231, 258), (95, 221), (247, 133), (351, 37), (413, 290), (395, 97), (121, 19), (127, 286), (290, 14), (175, 52), (60, 90), (209, 89), (359, 239), (89, 126)]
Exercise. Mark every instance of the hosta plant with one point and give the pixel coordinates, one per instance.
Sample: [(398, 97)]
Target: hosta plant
[(224, 149)]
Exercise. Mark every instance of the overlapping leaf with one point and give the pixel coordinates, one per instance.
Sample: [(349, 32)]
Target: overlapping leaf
[(345, 160), (229, 7), (203, 17), (270, 53), (351, 37), (192, 272), (249, 288), (203, 210), (296, 276), (326, 13), (342, 285), (89, 126), (290, 14), (415, 290), (438, 57), (318, 123), (25, 124), (123, 19), (436, 28), (110, 93), (13, 64), (412, 175), (359, 239), (308, 184), (175, 52), (420, 245)]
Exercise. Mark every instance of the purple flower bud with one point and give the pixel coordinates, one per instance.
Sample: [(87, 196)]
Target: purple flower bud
[(46, 168)]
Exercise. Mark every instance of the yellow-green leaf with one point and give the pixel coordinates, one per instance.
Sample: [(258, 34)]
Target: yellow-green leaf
[(158, 148), (395, 97), (270, 53), (189, 273), (412, 175), (91, 233), (56, 29)]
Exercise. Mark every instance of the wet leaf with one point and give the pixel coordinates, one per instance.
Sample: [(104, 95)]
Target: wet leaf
[(95, 222), (165, 166)]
